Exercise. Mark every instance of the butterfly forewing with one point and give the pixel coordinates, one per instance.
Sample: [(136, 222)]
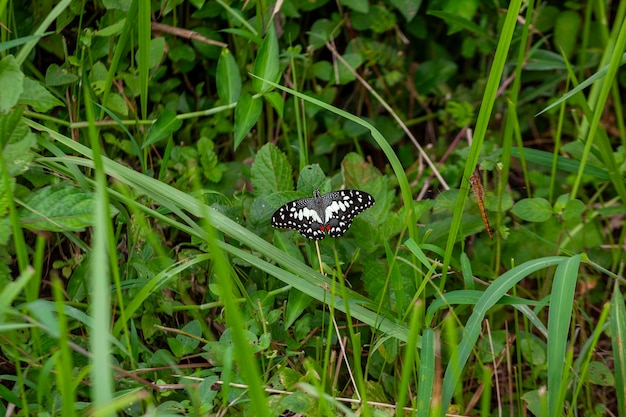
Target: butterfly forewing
[(330, 213)]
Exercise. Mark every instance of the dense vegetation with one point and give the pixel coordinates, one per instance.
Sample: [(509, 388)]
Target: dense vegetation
[(146, 145)]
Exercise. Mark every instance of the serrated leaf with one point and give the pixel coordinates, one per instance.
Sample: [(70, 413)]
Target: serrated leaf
[(228, 79), (266, 64), (59, 209), (356, 171), (38, 97), (247, 113), (312, 178), (11, 83), (533, 210), (165, 125), (209, 160), (270, 171)]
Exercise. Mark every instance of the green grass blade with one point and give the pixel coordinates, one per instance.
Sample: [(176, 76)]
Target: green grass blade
[(482, 123), (496, 290), (559, 318), (618, 341), (102, 389)]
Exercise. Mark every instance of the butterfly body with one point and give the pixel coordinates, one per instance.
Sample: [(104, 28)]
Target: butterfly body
[(330, 213)]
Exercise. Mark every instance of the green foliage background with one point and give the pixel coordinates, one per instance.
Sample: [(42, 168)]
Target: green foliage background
[(145, 146)]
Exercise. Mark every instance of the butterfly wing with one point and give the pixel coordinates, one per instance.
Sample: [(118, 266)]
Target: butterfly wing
[(342, 207), (300, 215)]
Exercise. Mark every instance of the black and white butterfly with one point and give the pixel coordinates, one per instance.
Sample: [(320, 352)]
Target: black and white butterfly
[(330, 213)]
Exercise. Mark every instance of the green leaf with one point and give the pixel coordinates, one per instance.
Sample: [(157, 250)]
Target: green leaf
[(432, 74), (266, 65), (270, 171), (57, 76), (312, 178), (59, 209), (114, 29), (116, 103), (228, 79), (533, 210), (157, 50), (298, 301), (566, 29), (361, 6), (408, 8), (165, 125), (16, 141), (11, 83), (209, 160), (599, 374), (276, 100), (38, 97), (347, 75), (247, 113)]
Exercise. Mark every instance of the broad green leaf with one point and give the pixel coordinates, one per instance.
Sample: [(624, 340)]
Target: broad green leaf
[(267, 64), (408, 8), (312, 178), (599, 374), (116, 103), (276, 100), (320, 32), (228, 79), (59, 209), (298, 301), (346, 75), (361, 6), (165, 125), (11, 83), (16, 141), (566, 29), (535, 210), (56, 76), (247, 113), (432, 74), (270, 171), (156, 52), (38, 97), (356, 171)]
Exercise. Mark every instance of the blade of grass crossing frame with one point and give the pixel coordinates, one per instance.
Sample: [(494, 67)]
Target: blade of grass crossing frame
[(618, 341), (494, 292), (99, 270), (144, 31), (482, 122), (559, 318), (63, 357), (411, 359), (427, 376), (243, 351)]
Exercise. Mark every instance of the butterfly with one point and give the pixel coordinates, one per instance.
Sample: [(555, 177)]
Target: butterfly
[(330, 213)]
